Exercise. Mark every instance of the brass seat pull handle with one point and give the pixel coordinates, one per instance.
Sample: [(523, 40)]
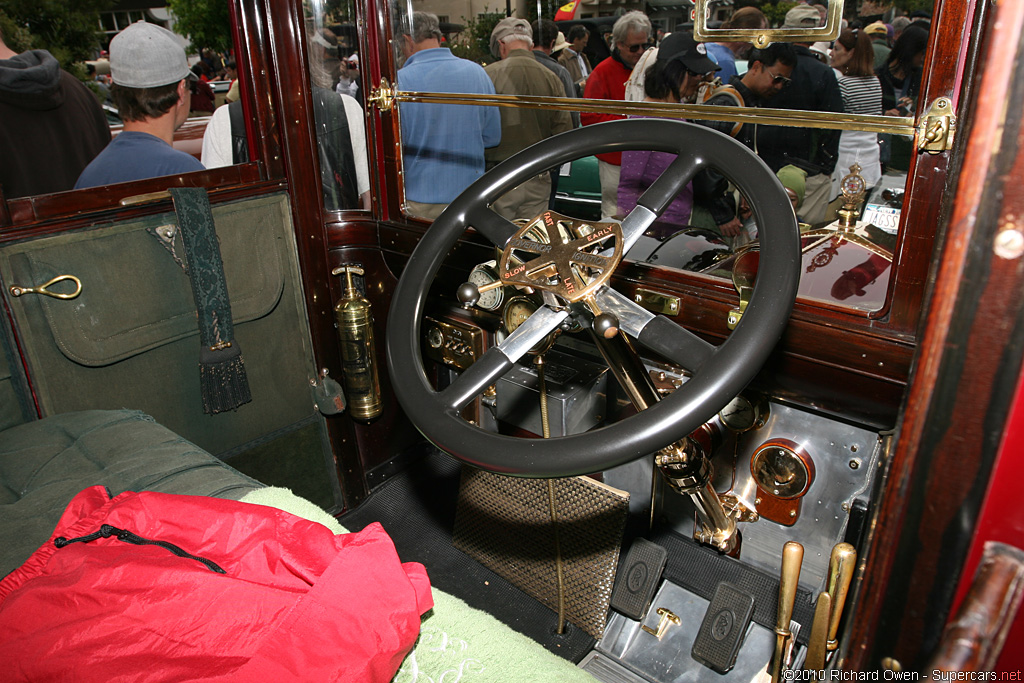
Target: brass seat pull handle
[(18, 290)]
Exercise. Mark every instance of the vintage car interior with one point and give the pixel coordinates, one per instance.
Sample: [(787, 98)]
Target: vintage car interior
[(621, 453)]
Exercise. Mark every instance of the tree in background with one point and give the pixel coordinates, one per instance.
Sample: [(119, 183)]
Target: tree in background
[(474, 43), (776, 12), (70, 31), (206, 23)]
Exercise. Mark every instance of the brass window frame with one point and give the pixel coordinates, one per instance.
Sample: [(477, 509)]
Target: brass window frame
[(761, 38)]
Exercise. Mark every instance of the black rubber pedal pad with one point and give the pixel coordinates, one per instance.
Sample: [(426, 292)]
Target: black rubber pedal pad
[(725, 624), (638, 578)]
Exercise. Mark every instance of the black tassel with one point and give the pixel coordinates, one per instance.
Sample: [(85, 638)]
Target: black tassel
[(222, 379)]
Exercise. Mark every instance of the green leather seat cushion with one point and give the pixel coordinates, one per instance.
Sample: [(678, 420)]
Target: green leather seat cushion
[(43, 464)]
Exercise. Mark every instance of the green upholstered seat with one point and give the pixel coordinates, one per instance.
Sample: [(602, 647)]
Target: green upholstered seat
[(44, 463)]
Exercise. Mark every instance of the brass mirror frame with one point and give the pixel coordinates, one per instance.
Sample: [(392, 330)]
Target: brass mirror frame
[(761, 39)]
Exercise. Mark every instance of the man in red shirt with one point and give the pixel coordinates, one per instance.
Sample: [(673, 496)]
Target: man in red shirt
[(631, 36)]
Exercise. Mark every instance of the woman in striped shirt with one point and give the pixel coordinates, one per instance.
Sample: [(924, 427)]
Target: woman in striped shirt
[(853, 59)]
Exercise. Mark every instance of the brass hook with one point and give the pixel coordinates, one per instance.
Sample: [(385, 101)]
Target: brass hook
[(18, 290)]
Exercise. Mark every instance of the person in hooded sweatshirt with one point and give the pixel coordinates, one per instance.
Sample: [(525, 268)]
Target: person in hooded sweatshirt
[(53, 125)]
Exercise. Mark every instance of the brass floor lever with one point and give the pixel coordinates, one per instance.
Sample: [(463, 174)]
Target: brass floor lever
[(792, 558)]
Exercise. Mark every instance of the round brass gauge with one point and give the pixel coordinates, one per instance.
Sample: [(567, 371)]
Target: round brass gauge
[(782, 469), (492, 299), (744, 413), (434, 337), (518, 309)]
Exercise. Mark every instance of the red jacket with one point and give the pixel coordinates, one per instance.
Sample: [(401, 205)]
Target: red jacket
[(606, 82), (228, 592)]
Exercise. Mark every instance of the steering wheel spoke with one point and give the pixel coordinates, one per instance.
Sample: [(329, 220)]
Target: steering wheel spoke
[(662, 191), (676, 343), (531, 332), (474, 380), (499, 359), (491, 225), (655, 332)]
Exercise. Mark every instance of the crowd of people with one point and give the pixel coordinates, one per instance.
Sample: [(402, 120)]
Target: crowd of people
[(873, 69)]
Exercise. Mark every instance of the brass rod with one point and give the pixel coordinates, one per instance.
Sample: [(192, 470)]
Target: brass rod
[(897, 125), (542, 389), (145, 198), (632, 376)]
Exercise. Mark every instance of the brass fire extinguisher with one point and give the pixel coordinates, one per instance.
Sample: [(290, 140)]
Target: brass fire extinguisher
[(359, 372)]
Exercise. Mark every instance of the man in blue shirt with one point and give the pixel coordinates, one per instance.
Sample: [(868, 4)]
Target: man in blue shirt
[(152, 91), (443, 144)]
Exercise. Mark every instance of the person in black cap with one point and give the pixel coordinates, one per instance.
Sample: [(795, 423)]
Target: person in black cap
[(674, 77), (679, 69)]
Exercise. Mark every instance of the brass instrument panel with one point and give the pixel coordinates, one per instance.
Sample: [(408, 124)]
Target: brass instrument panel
[(452, 343)]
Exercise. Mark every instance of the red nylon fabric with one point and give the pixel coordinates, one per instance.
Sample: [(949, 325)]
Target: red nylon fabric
[(297, 603)]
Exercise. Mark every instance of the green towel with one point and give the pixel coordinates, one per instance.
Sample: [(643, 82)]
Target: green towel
[(457, 642)]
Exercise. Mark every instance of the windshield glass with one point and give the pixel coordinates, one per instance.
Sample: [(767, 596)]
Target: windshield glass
[(338, 103), (839, 163)]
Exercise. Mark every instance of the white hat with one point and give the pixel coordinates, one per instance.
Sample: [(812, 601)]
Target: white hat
[(802, 16)]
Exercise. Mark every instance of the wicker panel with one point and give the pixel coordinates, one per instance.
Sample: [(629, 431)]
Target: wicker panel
[(505, 524)]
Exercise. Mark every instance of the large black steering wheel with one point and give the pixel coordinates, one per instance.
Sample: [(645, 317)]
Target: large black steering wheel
[(717, 373)]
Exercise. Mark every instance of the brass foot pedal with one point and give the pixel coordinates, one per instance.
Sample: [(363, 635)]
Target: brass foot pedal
[(725, 624), (638, 579)]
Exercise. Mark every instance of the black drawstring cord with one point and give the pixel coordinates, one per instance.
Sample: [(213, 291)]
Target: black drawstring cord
[(106, 531)]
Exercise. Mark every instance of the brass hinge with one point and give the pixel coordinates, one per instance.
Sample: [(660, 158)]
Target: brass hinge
[(937, 128), (383, 96), (657, 302)]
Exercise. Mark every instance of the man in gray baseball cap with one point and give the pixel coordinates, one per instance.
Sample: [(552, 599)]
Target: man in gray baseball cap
[(152, 88)]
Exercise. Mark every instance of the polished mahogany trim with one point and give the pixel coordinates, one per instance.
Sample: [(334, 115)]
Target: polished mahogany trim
[(59, 211), (257, 80), (951, 55), (964, 378)]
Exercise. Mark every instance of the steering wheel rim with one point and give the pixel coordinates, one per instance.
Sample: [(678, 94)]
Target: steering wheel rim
[(722, 372)]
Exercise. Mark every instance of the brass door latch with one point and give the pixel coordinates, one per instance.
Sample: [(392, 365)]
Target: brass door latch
[(937, 129), (383, 96)]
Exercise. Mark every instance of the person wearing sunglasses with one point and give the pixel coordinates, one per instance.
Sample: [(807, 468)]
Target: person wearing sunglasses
[(814, 88), (631, 37), (768, 72)]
